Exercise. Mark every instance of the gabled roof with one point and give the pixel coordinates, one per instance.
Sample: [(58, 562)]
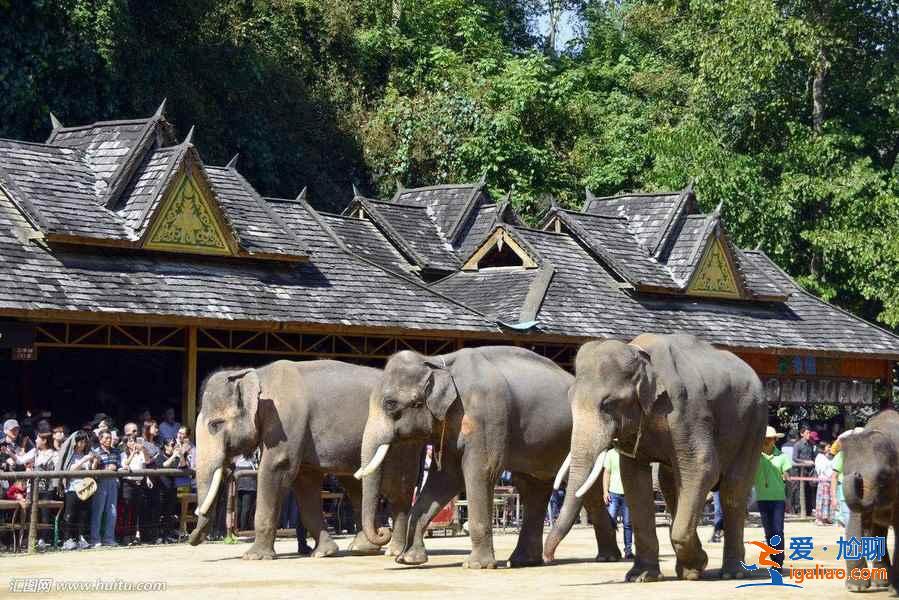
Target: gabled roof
[(105, 184), (448, 206), (113, 150), (411, 230), (581, 299), (657, 244), (55, 188), (363, 238), (335, 289)]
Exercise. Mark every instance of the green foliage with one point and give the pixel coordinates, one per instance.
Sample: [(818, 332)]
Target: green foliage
[(784, 111)]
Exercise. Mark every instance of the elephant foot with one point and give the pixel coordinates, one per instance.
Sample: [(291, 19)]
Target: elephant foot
[(325, 548), (478, 563), (361, 545), (893, 592), (520, 559), (259, 553), (643, 574), (691, 570), (393, 550), (608, 554), (733, 571), (857, 585), (413, 556)]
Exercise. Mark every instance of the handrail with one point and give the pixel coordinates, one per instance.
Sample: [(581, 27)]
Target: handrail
[(101, 473)]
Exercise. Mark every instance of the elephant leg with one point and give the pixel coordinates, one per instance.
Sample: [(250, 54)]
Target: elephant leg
[(606, 544), (479, 483), (440, 488), (272, 486), (697, 479), (400, 498), (668, 486), (360, 543), (308, 489), (859, 526), (734, 492), (534, 497), (884, 563), (637, 480)]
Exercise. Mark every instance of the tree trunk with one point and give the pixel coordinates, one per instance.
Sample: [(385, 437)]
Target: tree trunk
[(819, 92)]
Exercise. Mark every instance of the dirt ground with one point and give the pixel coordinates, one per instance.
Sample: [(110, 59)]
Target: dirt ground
[(217, 571)]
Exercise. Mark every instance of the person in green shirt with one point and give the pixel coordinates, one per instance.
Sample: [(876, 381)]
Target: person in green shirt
[(613, 493), (770, 490)]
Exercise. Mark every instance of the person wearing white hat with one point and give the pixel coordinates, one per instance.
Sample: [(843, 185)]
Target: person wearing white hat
[(770, 490)]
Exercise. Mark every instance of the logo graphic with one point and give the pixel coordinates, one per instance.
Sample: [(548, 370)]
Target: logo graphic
[(764, 560)]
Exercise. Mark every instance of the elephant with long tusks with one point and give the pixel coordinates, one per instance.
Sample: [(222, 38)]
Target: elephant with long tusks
[(484, 410), (674, 399), (308, 419)]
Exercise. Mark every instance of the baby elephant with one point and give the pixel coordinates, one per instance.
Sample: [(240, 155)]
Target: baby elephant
[(870, 480)]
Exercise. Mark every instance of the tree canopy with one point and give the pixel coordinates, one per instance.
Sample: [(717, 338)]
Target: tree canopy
[(784, 111)]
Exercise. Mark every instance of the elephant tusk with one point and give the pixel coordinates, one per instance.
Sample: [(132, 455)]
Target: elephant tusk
[(376, 461), (594, 475), (563, 471), (211, 494)]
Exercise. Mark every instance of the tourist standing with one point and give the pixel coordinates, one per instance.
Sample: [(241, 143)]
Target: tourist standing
[(803, 468), (103, 505), (613, 493), (770, 490), (824, 473), (76, 511), (168, 429)]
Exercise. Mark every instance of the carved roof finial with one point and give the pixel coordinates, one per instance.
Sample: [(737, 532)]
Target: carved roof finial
[(483, 179), (190, 135), (161, 110), (54, 122), (400, 188), (301, 197), (356, 192), (232, 164)]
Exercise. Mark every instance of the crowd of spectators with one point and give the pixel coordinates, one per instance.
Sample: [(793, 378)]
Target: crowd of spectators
[(129, 510)]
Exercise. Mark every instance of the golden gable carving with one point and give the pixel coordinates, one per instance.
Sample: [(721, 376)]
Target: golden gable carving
[(186, 223), (714, 277)]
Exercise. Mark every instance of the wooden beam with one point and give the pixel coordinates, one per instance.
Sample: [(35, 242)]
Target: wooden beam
[(189, 396)]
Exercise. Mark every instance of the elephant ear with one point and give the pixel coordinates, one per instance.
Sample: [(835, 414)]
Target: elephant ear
[(248, 390), (660, 375), (440, 390)]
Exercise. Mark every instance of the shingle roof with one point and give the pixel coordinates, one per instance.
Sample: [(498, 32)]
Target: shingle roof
[(258, 228), (415, 229), (647, 214), (336, 289), (364, 239), (446, 205), (584, 300), (112, 149), (497, 293), (56, 188)]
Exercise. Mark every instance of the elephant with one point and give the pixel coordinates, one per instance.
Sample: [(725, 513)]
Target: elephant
[(484, 410), (870, 481), (698, 411), (308, 418)]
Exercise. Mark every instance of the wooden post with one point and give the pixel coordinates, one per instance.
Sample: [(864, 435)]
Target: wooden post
[(32, 525), (189, 395)]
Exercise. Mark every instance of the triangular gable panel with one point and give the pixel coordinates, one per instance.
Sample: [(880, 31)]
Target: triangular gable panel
[(715, 276), (186, 221), (499, 242)]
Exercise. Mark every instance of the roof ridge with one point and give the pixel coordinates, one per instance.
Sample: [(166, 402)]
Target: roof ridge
[(105, 124), (42, 145), (390, 203), (594, 215), (638, 195)]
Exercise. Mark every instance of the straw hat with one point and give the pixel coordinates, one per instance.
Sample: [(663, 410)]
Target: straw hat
[(770, 432)]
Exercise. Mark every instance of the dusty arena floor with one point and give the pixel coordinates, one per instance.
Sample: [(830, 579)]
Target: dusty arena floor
[(216, 571)]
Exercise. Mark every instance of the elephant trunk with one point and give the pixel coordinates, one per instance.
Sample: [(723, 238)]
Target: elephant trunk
[(210, 473), (375, 446), (858, 492), (589, 439)]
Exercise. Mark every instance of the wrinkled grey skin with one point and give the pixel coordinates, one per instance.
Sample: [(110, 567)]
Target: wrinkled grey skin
[(308, 418), (701, 413), (870, 481), (495, 409)]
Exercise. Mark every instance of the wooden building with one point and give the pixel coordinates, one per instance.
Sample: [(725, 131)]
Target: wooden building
[(129, 269)]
